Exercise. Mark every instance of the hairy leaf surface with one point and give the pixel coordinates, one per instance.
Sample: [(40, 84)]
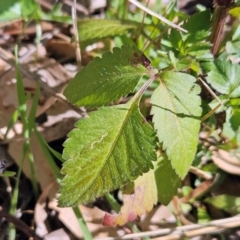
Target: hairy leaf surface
[(108, 78), (106, 150), (100, 28), (138, 198), (167, 181), (176, 116), (225, 78)]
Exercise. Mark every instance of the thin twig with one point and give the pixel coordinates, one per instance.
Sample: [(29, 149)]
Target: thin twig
[(78, 6), (9, 58), (201, 173), (76, 36), (220, 103), (206, 116), (163, 19), (210, 90), (184, 231), (142, 23)]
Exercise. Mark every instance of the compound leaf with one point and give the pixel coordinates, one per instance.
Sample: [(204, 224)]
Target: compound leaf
[(167, 181), (176, 117), (108, 78), (105, 151), (225, 78), (139, 198), (90, 29)]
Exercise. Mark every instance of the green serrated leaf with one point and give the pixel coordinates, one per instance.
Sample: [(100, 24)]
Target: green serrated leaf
[(225, 78), (198, 26), (10, 10), (28, 7), (199, 49), (167, 181), (108, 78), (106, 150), (233, 48), (175, 39), (176, 117), (235, 119), (90, 29)]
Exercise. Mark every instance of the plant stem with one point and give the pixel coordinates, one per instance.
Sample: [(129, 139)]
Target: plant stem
[(86, 233), (163, 19), (219, 19), (211, 112), (112, 201)]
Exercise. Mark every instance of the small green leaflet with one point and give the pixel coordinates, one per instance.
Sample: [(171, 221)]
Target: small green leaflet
[(167, 181), (225, 202), (90, 29), (176, 117), (108, 78), (7, 174), (225, 78), (105, 151), (234, 119)]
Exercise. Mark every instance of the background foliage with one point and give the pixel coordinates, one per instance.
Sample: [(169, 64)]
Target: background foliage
[(157, 107)]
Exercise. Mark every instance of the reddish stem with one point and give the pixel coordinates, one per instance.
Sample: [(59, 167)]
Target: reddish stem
[(219, 19)]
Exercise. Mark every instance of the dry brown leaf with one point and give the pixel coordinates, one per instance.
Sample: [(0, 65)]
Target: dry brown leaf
[(61, 48), (5, 115), (93, 216), (20, 28), (57, 131), (54, 74), (59, 234), (44, 172), (153, 219), (40, 214)]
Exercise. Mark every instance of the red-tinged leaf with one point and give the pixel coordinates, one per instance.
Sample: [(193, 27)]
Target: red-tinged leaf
[(139, 197)]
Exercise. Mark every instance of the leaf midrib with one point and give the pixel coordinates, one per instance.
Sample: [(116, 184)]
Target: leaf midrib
[(110, 150), (173, 109)]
